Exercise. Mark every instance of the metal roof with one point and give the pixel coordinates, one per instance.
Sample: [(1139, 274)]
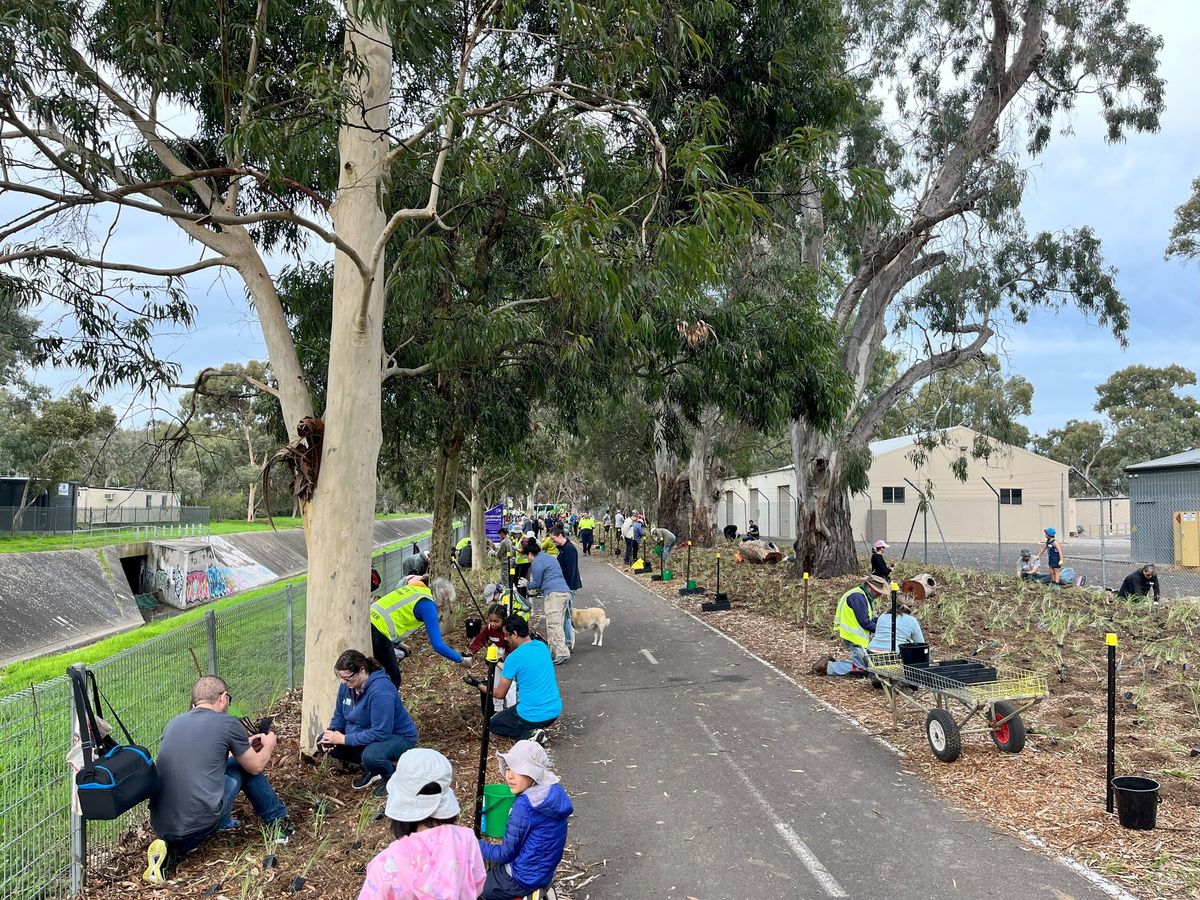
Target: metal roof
[(1186, 459)]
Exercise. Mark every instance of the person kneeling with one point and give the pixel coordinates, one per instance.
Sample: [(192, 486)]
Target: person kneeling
[(370, 725), (536, 833), (431, 856), (529, 666), (204, 759)]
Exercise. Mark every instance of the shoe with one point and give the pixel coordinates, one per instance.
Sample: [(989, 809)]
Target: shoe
[(365, 780), (231, 825), (559, 660), (539, 735), (156, 858), (281, 829), (380, 790)]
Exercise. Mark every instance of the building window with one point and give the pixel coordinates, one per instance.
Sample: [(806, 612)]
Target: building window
[(893, 495), (163, 504), (149, 501), (1010, 496)]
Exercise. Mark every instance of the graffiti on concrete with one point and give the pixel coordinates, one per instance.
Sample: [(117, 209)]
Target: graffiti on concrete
[(185, 574)]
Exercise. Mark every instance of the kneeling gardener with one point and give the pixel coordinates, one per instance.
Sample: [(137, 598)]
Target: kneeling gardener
[(528, 664), (204, 759)]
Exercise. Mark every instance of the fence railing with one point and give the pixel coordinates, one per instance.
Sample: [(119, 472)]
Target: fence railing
[(70, 519), (256, 646)]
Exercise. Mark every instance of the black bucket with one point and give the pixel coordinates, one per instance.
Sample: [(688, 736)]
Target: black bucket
[(914, 654), (473, 626), (1137, 801)]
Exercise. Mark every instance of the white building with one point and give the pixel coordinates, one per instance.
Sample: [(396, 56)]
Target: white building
[(1028, 491), (126, 505)]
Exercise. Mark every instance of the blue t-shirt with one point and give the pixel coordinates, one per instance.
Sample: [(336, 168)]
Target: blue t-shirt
[(546, 575), (908, 631), (531, 667)]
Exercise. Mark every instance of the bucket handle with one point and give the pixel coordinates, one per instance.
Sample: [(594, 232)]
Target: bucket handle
[(502, 800)]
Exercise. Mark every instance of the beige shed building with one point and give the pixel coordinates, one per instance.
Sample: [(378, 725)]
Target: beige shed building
[(1030, 494)]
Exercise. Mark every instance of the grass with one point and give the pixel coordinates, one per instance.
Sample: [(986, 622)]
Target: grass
[(36, 543), (20, 675)]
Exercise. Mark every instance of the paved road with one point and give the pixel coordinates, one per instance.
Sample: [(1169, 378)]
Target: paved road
[(698, 772)]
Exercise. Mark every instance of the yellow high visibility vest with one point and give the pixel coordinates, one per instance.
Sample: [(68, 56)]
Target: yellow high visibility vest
[(589, 522), (847, 623), (394, 613), (462, 543)]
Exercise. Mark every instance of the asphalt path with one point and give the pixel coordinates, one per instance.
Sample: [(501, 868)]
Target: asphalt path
[(697, 771)]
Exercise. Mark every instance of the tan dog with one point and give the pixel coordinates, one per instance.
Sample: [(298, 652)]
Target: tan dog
[(594, 618)]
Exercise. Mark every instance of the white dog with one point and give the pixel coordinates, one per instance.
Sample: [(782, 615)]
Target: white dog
[(593, 618)]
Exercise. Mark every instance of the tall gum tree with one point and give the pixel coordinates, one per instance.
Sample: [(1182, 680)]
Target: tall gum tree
[(300, 115), (965, 81)]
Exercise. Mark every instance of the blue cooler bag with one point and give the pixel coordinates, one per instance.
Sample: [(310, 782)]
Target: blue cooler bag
[(122, 776)]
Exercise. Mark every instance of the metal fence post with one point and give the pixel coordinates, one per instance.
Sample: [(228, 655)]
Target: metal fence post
[(210, 627), (78, 822), (291, 638)]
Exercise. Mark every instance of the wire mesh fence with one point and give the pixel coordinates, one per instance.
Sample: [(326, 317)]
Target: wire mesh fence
[(96, 520), (256, 646)]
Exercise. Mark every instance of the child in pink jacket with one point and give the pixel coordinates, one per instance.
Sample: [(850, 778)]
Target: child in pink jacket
[(431, 858)]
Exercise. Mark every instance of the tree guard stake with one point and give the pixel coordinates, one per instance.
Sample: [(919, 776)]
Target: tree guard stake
[(1111, 640)]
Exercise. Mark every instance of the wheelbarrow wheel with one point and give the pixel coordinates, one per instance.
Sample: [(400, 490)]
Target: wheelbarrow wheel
[(942, 732), (1010, 736)]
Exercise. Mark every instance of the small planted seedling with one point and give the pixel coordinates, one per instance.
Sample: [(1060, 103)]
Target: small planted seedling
[(297, 884), (268, 861)]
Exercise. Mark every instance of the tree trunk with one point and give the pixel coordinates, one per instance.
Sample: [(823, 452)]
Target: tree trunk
[(672, 501), (445, 483), (705, 474), (250, 501), (826, 541), (339, 519), (478, 532)]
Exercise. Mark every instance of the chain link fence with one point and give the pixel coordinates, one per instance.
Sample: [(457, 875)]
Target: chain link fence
[(89, 520), (256, 646)]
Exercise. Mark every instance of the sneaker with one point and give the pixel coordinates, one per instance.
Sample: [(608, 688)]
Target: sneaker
[(559, 660), (156, 858), (380, 790), (365, 780), (230, 825), (539, 735), (281, 830)]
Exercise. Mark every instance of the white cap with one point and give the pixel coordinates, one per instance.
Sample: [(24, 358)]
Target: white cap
[(420, 787)]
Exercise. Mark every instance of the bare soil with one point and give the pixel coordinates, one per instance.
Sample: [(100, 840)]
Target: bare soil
[(1054, 791)]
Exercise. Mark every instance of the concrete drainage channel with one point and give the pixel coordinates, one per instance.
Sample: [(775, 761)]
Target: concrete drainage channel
[(56, 600)]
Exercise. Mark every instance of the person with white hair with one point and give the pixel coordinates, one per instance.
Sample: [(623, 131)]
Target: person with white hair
[(411, 606)]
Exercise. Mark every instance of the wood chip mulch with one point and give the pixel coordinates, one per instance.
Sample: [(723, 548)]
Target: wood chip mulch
[(336, 833), (1053, 793)]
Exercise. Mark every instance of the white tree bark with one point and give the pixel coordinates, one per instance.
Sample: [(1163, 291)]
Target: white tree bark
[(478, 534), (340, 517)]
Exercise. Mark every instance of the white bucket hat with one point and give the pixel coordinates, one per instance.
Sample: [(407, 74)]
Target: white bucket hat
[(528, 758), (420, 788)]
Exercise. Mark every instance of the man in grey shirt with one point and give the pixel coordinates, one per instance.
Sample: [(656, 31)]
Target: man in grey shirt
[(204, 759)]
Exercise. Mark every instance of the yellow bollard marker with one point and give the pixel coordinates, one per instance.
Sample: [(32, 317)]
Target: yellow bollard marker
[(493, 653)]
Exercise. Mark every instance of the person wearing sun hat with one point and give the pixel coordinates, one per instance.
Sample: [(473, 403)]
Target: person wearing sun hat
[(537, 826), (431, 856), (854, 622), (879, 565)]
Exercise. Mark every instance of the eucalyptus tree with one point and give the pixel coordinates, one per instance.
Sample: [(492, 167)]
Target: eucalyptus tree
[(256, 127), (966, 93)]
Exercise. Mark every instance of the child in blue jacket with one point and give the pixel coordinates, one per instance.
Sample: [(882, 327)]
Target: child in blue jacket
[(537, 826), (370, 725)]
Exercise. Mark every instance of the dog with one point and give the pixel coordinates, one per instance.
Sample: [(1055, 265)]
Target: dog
[(730, 532), (594, 618)]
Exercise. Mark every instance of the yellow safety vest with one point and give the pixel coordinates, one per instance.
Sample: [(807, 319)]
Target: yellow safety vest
[(462, 543), (394, 613), (847, 623), (548, 546), (587, 523)]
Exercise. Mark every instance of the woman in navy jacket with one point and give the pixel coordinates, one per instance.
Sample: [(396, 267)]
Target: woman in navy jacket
[(370, 724)]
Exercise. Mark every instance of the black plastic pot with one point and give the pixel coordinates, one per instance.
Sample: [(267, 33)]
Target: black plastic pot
[(1137, 802), (914, 654), (473, 626)]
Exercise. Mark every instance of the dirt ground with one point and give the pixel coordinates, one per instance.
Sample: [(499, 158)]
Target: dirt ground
[(337, 833), (1053, 792)]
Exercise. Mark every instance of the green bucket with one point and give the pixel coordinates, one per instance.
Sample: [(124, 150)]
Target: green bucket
[(666, 575), (497, 804)]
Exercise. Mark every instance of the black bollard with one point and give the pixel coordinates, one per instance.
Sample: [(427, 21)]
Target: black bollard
[(492, 657), (895, 590), (1111, 640), (470, 593)]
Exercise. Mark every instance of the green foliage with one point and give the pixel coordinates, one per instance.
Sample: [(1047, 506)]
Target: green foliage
[(1185, 233)]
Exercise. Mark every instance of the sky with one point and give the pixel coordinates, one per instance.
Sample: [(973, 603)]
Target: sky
[(1126, 192)]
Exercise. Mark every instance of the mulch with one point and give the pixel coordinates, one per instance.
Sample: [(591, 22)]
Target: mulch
[(1053, 793), (336, 831)]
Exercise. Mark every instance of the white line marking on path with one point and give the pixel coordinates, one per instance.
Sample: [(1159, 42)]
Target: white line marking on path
[(819, 873), (650, 656), (1109, 887)]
